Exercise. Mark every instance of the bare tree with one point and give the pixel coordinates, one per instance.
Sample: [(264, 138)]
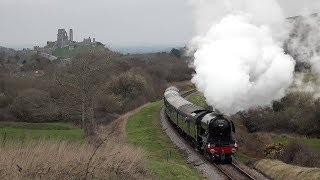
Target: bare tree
[(79, 83)]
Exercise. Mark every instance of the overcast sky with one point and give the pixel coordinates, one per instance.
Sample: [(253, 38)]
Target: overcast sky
[(114, 22)]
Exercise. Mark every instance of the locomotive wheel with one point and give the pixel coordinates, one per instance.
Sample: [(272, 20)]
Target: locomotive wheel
[(207, 155), (228, 159), (200, 149)]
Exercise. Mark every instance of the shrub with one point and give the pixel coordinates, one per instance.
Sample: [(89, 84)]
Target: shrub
[(273, 150), (5, 100), (176, 52), (130, 90), (300, 154), (259, 119), (108, 103), (33, 105), (131, 81), (36, 62), (6, 116), (297, 112), (128, 85), (12, 85)]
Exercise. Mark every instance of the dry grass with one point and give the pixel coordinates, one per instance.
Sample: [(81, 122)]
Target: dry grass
[(251, 144), (279, 170), (62, 160)]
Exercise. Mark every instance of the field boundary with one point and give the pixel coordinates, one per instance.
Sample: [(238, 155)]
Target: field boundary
[(165, 160)]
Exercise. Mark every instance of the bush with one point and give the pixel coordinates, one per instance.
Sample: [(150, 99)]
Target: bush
[(5, 100), (297, 112), (131, 81), (130, 90), (165, 66), (300, 154), (108, 103), (33, 105), (36, 62), (176, 52), (12, 85), (128, 85), (273, 150)]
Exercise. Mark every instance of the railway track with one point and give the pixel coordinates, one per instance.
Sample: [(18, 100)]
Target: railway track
[(233, 172), (230, 171)]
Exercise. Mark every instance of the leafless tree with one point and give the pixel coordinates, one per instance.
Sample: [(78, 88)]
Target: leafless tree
[(79, 84)]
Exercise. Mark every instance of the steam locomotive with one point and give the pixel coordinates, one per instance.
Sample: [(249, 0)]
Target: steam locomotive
[(210, 132)]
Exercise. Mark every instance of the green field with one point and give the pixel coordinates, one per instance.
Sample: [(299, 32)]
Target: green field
[(21, 131), (67, 53), (313, 142), (165, 161)]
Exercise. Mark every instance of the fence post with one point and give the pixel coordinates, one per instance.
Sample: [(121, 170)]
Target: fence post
[(22, 140), (4, 139)]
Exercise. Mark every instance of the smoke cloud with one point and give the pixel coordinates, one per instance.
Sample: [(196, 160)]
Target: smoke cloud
[(304, 41), (239, 59)]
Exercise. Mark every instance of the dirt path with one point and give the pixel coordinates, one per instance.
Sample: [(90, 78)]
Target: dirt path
[(117, 127)]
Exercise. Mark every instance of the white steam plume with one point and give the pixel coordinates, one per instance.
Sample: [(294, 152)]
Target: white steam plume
[(239, 60), (304, 41)]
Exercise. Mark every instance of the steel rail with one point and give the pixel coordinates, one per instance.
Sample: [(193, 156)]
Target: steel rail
[(217, 166), (242, 171)]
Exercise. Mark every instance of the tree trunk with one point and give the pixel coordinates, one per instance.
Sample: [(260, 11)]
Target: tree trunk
[(83, 112)]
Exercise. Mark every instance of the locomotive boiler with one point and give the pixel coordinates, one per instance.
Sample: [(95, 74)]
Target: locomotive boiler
[(210, 132)]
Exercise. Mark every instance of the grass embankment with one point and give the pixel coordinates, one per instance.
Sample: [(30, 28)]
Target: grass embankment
[(313, 142), (279, 170), (165, 161), (21, 131)]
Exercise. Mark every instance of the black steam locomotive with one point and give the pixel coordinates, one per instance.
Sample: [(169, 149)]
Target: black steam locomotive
[(210, 132)]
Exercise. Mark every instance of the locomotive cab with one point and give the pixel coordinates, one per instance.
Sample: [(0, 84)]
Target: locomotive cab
[(210, 132), (220, 141), (220, 132)]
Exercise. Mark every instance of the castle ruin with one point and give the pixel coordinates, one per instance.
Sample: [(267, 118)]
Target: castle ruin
[(63, 40), (71, 35)]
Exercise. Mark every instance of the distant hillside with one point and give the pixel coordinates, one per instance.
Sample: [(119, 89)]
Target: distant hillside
[(68, 52), (143, 49), (6, 52)]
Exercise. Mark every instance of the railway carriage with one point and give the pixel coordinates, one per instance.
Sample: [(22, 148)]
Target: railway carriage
[(210, 132)]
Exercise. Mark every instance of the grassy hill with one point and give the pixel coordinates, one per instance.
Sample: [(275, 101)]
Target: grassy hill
[(67, 52), (165, 161)]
